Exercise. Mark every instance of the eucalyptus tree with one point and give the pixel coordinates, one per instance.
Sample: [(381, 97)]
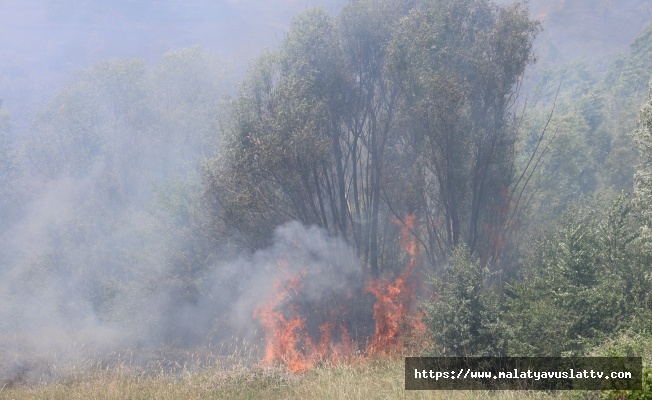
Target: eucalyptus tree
[(460, 64), (371, 125), (388, 109), (308, 131), (275, 163)]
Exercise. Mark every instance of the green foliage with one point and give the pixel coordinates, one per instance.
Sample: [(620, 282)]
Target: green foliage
[(124, 117), (338, 129), (304, 138), (186, 87), (643, 178), (625, 88), (591, 122), (571, 111), (464, 317), (588, 276), (629, 343), (583, 281), (460, 63), (567, 169), (629, 76)]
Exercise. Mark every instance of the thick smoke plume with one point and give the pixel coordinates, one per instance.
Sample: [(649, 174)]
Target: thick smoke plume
[(50, 318)]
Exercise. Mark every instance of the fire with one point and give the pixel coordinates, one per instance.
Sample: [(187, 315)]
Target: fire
[(301, 334), (288, 338), (283, 333), (395, 300)]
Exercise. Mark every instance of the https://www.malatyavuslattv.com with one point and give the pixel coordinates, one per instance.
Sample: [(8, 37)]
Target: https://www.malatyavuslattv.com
[(466, 373), (528, 373)]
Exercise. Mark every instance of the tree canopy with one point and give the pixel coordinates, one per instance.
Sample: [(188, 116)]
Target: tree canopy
[(384, 111)]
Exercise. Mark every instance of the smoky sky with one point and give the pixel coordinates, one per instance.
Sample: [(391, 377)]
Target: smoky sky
[(43, 41)]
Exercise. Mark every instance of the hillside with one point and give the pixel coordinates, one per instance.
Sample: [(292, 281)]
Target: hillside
[(45, 42)]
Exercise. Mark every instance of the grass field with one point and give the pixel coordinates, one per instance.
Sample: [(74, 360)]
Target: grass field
[(371, 379)]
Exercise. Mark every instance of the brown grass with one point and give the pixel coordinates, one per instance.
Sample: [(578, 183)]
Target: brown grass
[(373, 379)]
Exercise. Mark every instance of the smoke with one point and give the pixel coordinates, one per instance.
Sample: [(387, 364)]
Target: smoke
[(327, 266), (68, 304), (233, 290), (44, 306), (45, 41), (95, 224), (94, 251)]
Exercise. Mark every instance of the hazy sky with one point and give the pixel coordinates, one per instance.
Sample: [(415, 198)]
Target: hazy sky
[(43, 41)]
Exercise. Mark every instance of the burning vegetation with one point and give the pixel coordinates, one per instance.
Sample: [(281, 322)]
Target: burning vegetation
[(301, 332)]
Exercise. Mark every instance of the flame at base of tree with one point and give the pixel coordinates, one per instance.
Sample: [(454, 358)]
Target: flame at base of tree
[(290, 335), (394, 300), (394, 314), (300, 334)]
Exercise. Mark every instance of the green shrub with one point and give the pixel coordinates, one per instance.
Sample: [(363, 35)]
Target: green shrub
[(464, 316)]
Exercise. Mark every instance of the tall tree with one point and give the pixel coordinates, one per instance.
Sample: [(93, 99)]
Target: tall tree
[(346, 124), (366, 29), (461, 64)]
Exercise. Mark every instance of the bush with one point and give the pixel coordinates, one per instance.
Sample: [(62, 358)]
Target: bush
[(585, 280), (629, 344), (464, 318)]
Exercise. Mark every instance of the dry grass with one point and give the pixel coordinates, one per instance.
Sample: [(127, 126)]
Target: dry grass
[(373, 379)]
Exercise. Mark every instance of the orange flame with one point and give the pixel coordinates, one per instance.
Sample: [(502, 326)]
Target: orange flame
[(283, 333), (395, 300), (290, 341)]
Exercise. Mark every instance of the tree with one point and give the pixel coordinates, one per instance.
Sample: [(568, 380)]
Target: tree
[(275, 165), (337, 129), (308, 135), (586, 278), (642, 202), (643, 177), (188, 85), (110, 172), (460, 64)]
